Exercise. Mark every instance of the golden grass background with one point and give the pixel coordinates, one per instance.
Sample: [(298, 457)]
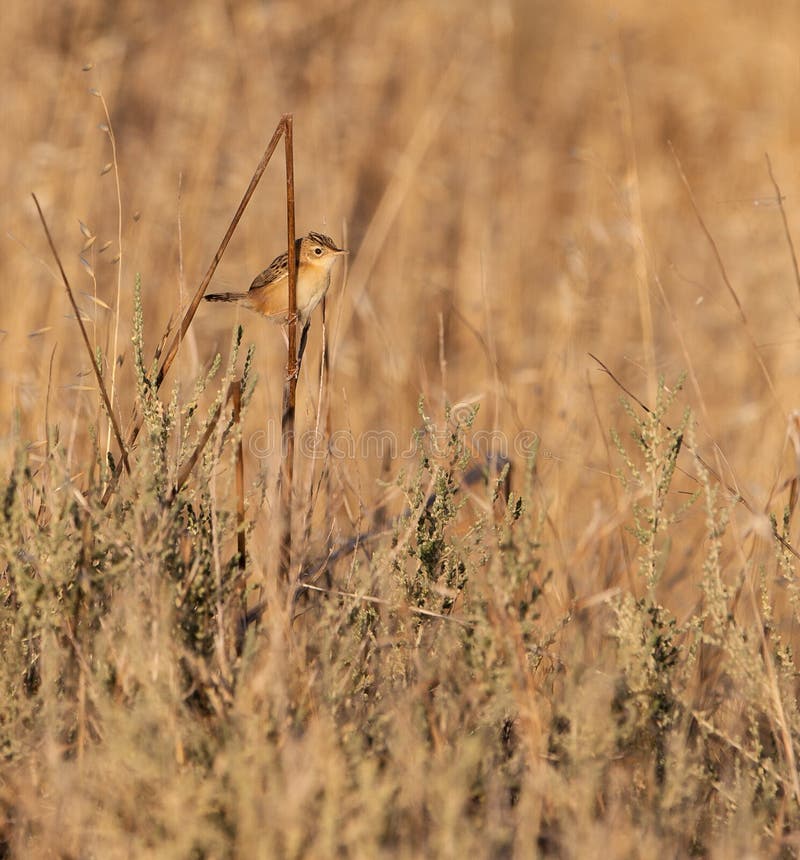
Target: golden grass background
[(514, 178), (501, 172)]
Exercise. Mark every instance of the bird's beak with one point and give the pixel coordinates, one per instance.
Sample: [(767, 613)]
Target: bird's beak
[(342, 251)]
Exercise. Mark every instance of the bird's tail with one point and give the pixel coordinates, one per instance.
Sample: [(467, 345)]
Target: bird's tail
[(225, 297)]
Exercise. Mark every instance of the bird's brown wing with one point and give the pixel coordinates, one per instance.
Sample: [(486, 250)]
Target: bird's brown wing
[(269, 294), (276, 269)]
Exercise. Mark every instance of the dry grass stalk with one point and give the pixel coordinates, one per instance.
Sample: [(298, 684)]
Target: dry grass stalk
[(191, 461), (98, 376), (292, 365), (241, 538), (779, 199)]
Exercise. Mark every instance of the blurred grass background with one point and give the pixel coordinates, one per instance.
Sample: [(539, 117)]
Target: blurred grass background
[(513, 177), (501, 173)]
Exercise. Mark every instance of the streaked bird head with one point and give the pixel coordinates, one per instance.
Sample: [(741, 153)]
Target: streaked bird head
[(319, 249)]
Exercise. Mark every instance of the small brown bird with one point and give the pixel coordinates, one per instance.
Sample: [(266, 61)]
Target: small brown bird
[(269, 293)]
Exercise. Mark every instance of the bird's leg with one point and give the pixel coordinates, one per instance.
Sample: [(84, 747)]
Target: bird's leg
[(303, 342)]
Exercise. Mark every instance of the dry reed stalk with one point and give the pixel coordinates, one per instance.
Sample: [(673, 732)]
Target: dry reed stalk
[(97, 374), (292, 364)]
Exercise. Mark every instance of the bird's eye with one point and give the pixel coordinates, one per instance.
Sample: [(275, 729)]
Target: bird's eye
[(318, 251)]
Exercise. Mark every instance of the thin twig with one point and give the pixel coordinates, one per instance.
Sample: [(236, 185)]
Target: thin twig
[(786, 230), (78, 316), (368, 598), (707, 233)]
